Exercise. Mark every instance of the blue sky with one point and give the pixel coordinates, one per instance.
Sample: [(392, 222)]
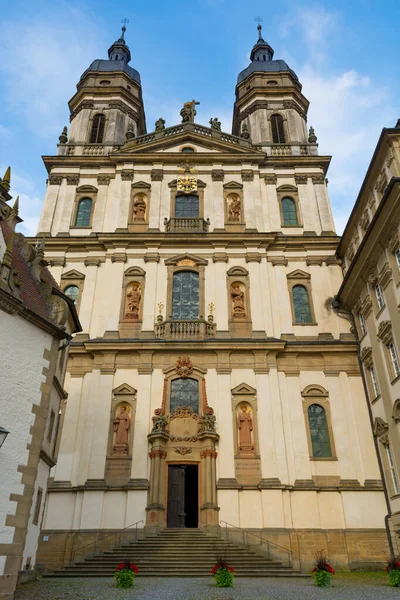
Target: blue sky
[(345, 53)]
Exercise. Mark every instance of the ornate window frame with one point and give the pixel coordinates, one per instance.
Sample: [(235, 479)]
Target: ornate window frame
[(385, 335), (174, 193), (393, 247), (367, 360), (233, 187), (192, 372), (239, 327), (289, 191), (129, 327), (376, 290), (299, 277), (381, 432), (245, 394), (84, 191), (316, 394), (73, 277), (186, 262), (139, 187)]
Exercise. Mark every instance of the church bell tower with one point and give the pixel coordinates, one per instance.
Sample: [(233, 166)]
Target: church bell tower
[(107, 108)]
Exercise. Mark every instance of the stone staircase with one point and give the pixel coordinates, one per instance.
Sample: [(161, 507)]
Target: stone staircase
[(178, 553)]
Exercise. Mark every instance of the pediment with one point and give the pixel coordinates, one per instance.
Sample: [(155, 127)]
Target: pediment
[(380, 427), (299, 274), (243, 389), (202, 139), (286, 188), (237, 271), (135, 272), (233, 185), (82, 189), (73, 274), (141, 185), (190, 258), (124, 390)]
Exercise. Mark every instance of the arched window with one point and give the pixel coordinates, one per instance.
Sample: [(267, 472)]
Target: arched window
[(97, 133), (278, 132), (187, 207), (319, 433), (83, 213), (185, 295), (289, 211), (301, 303), (72, 291), (184, 392)]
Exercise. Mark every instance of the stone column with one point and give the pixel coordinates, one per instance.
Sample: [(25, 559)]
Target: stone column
[(209, 509), (325, 214), (157, 176), (248, 198), (100, 212), (304, 200), (155, 509), (217, 217), (50, 203)]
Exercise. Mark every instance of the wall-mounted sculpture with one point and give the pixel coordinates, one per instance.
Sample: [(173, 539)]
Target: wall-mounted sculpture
[(139, 207), (238, 296), (245, 430), (133, 297), (122, 425), (234, 207)]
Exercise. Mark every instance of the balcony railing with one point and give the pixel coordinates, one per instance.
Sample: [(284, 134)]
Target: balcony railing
[(178, 330), (180, 225)]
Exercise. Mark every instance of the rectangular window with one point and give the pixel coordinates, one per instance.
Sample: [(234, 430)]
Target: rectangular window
[(394, 357), (397, 257), (379, 296), (51, 426), (392, 468), (363, 326), (39, 496), (374, 381)]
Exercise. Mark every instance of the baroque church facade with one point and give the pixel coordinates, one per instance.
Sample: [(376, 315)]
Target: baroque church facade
[(212, 384)]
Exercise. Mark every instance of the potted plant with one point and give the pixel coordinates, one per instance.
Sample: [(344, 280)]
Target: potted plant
[(125, 574), (393, 571), (322, 571), (223, 574)]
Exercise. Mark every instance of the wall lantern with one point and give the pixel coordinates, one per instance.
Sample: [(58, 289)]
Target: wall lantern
[(3, 434)]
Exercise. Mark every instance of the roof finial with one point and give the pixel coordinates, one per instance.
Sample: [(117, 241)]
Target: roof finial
[(259, 20), (124, 22), (7, 179)]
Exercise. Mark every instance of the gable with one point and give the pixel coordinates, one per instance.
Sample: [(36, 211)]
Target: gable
[(124, 390), (243, 389), (299, 274), (73, 274)]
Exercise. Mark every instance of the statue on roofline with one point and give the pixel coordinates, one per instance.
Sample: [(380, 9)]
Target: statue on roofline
[(188, 111)]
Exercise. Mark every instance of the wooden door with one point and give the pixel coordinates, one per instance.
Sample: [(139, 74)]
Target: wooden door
[(176, 496)]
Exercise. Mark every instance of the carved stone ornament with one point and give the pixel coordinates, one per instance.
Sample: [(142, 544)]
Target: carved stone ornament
[(184, 420), (103, 179), (72, 179), (160, 124), (208, 453), (139, 207), (394, 241), (385, 333), (373, 276), (300, 179), (247, 175), (157, 454), (318, 179), (207, 421), (217, 175), (186, 262), (157, 174), (186, 184), (133, 297), (127, 175), (381, 429), (245, 430), (188, 111), (122, 424), (366, 356), (160, 422), (270, 179), (184, 367), (396, 411), (234, 207), (183, 450), (215, 124), (238, 301), (55, 179)]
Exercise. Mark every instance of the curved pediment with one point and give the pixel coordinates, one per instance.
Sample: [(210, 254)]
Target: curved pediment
[(135, 272), (89, 189), (314, 390), (238, 271)]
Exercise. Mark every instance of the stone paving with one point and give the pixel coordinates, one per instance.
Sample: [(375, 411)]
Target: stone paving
[(351, 587)]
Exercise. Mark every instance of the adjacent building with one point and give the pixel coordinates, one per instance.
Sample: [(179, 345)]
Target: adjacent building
[(36, 323), (212, 381), (370, 251)]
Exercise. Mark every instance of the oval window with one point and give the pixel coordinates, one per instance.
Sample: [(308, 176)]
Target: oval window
[(105, 82)]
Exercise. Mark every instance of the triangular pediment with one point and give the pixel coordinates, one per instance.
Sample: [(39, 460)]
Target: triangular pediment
[(124, 390), (201, 139), (140, 185), (73, 274), (186, 260), (243, 389), (233, 185), (299, 274)]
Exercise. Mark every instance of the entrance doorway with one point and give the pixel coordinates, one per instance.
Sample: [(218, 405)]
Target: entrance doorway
[(183, 496)]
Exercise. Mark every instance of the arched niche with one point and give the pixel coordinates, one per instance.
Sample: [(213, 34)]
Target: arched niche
[(238, 293), (132, 301)]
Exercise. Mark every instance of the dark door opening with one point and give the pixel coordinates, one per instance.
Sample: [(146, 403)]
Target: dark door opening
[(183, 496)]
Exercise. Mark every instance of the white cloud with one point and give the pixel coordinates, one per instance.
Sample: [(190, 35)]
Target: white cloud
[(46, 64)]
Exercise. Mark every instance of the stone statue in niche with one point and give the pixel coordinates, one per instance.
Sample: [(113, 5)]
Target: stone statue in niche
[(245, 430), (139, 207), (238, 301), (234, 207), (133, 296), (207, 421), (122, 425)]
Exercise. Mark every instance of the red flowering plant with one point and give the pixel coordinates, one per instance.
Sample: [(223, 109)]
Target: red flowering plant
[(393, 571), (223, 574), (322, 571), (125, 574)]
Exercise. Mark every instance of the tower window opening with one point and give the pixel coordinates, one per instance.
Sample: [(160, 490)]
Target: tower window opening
[(278, 132), (97, 133), (264, 57)]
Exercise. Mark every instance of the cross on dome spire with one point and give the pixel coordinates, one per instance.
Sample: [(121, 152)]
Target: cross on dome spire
[(259, 20), (124, 22)]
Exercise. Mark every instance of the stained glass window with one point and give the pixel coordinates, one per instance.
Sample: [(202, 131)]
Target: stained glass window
[(187, 207), (185, 295), (278, 132), (184, 392), (321, 446), (97, 133), (289, 211), (72, 291), (83, 213), (301, 303)]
